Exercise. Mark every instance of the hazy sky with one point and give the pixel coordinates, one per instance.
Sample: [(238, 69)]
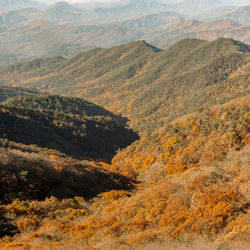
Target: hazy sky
[(72, 1), (81, 1), (235, 2), (77, 1)]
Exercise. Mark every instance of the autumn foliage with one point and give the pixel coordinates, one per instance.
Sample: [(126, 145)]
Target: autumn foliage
[(68, 178)]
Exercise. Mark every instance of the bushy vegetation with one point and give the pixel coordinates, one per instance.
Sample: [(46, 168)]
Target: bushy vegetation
[(194, 184), (145, 84), (60, 104), (31, 173), (8, 92), (75, 135), (183, 185), (191, 141)]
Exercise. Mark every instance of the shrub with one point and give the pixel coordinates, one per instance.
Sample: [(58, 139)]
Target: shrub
[(113, 195), (4, 143), (27, 224)]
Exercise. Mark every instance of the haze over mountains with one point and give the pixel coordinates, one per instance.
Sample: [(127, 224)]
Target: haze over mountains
[(9, 5), (33, 30), (124, 124)]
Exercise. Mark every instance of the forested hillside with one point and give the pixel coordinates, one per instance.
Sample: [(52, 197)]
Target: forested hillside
[(193, 191), (8, 92), (59, 104), (74, 175), (144, 83), (75, 131), (30, 172), (40, 134)]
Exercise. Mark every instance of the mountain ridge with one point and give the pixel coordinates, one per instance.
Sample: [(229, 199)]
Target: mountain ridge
[(142, 74), (127, 127)]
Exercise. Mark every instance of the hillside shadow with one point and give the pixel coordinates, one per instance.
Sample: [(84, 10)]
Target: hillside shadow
[(92, 137), (42, 179)]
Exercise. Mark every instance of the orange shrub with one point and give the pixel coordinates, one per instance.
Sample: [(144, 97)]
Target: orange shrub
[(210, 214), (16, 245), (179, 167), (27, 224), (149, 160), (113, 195), (17, 207)]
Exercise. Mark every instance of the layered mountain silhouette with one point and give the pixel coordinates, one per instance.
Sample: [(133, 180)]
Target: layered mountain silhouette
[(124, 124), (43, 39), (63, 29), (239, 15), (136, 79)]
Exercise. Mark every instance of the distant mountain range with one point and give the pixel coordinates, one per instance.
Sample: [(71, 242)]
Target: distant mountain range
[(65, 30), (240, 15), (97, 13), (195, 6), (43, 39), (233, 2), (201, 30), (19, 17)]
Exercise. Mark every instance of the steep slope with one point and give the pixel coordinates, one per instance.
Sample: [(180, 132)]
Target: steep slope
[(239, 15), (137, 80), (60, 104), (39, 135), (76, 135), (201, 30), (119, 61), (191, 164), (34, 173), (19, 17), (200, 68), (194, 181), (61, 12), (8, 92)]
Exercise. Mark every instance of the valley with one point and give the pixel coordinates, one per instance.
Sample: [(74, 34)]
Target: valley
[(124, 125), (192, 117)]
